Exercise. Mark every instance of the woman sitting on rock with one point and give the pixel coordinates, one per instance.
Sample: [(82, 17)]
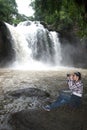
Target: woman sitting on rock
[(74, 99)]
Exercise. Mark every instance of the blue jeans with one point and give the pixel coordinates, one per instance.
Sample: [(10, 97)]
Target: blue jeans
[(75, 101), (72, 100)]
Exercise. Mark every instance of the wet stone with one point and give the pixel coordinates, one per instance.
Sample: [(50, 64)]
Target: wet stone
[(25, 94)]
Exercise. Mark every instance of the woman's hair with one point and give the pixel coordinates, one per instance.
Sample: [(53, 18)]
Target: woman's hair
[(78, 74)]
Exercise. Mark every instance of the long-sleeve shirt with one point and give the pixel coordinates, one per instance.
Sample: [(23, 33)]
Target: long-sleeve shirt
[(76, 87)]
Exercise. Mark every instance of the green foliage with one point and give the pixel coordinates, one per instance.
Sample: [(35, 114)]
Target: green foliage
[(20, 18), (63, 14), (8, 10)]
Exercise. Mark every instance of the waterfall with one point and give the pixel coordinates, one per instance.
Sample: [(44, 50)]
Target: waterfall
[(57, 47), (34, 45)]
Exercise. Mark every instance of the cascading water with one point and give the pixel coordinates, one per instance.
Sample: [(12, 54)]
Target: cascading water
[(57, 48), (35, 47)]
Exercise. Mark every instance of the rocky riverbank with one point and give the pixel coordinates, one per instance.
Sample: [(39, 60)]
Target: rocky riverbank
[(23, 93)]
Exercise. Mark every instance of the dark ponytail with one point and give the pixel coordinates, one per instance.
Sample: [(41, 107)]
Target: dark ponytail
[(78, 74)]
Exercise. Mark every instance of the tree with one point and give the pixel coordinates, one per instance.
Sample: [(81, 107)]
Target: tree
[(62, 14), (20, 18), (8, 10)]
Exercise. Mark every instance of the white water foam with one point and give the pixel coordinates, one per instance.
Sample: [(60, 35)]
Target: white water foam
[(35, 47)]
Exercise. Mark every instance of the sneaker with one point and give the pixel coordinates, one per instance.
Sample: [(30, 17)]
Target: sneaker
[(46, 108)]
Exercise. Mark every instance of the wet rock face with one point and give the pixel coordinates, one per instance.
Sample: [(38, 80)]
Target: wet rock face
[(61, 118), (23, 95), (23, 111), (6, 51), (41, 120), (30, 99)]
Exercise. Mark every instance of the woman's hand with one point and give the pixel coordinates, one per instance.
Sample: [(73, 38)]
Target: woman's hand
[(71, 77)]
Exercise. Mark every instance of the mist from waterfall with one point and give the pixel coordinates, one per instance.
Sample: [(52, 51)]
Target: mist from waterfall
[(35, 47)]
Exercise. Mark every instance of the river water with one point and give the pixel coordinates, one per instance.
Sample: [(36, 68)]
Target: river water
[(15, 79)]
